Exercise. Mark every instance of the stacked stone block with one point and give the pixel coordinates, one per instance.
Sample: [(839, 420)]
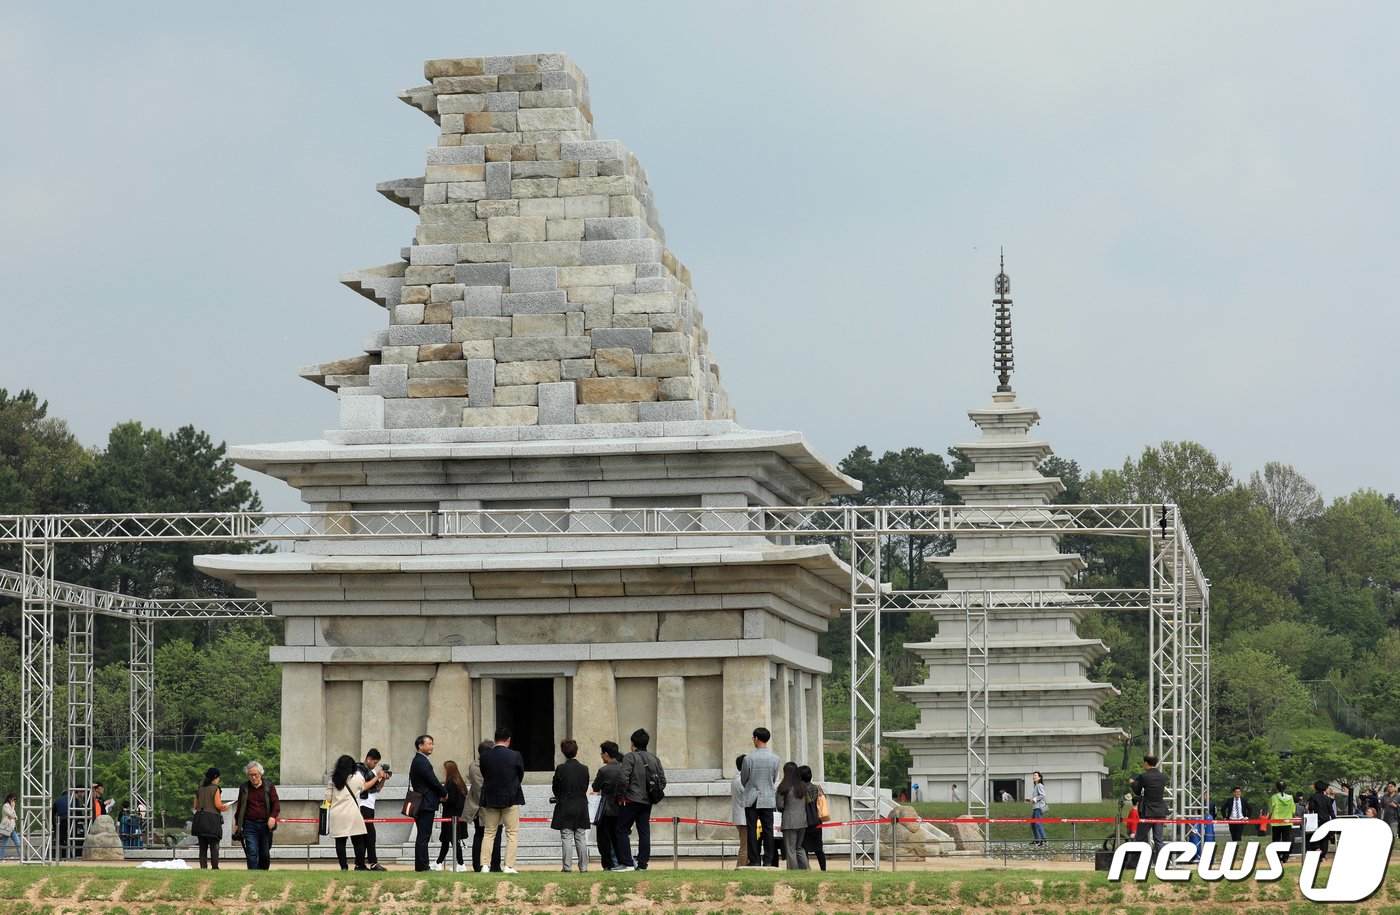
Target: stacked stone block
[(538, 289)]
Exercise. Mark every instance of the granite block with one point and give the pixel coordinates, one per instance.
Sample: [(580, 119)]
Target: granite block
[(548, 119), (437, 387), (606, 413), (423, 412), (398, 355), (565, 230), (483, 253), (650, 271), (536, 187), (389, 380), (483, 328), (557, 403), (525, 349), (547, 253), (669, 411), (548, 207), (451, 174), (478, 301), (616, 390), (670, 342), (500, 416), (553, 302), (482, 274), (620, 251), (615, 363), (427, 276), (571, 369), (536, 372), (609, 228), (517, 395), (418, 334), (481, 382), (601, 275), (498, 180), (502, 101), (592, 149), (519, 82), (539, 325), (456, 368), (445, 292), (477, 349), (637, 339), (456, 155), (507, 229), (589, 207), (534, 279), (548, 98), (466, 191), (454, 103), (365, 413), (610, 185), (436, 352), (407, 314), (644, 303)]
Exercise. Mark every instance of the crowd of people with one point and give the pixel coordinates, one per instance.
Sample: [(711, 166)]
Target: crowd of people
[(1287, 817), (483, 803)]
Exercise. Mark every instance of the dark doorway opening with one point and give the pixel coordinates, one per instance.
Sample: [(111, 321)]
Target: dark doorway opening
[(1004, 787), (527, 708)]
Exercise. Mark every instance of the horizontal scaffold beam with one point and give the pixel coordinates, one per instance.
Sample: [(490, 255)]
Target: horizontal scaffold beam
[(124, 606)]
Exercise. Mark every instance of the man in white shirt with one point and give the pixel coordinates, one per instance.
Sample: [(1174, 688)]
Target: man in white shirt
[(1237, 810)]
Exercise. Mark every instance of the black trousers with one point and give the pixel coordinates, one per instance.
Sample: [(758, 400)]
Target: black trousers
[(371, 853), (455, 828), (607, 841), (1283, 834), (1236, 832), (208, 851), (763, 852), (477, 836), (812, 844), (423, 823), (359, 843)]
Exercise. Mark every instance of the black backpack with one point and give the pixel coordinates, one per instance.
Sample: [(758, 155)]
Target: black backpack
[(655, 793)]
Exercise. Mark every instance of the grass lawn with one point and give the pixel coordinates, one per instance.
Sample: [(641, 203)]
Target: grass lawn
[(125, 891)]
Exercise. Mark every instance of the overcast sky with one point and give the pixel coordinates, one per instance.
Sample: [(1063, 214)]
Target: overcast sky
[(1198, 204)]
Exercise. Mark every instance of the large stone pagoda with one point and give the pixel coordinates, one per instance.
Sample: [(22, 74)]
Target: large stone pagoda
[(1041, 704), (544, 350)]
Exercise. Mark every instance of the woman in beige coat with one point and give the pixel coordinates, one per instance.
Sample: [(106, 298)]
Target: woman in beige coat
[(344, 818)]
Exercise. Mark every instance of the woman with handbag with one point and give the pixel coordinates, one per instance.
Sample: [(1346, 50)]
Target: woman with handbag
[(207, 823), (453, 831), (792, 801), (818, 812), (343, 817)]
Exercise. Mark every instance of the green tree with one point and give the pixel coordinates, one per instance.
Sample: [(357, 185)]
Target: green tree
[(1285, 494), (1255, 696)]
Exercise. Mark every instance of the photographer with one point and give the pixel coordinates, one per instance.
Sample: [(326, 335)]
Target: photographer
[(374, 782)]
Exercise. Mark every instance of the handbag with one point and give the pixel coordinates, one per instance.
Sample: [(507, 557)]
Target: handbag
[(823, 808), (207, 825), (411, 802), (323, 826)]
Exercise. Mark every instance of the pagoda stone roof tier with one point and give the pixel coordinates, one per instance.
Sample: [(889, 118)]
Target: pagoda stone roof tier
[(819, 560), (923, 694), (1005, 451), (1013, 736), (1011, 564), (821, 479), (1028, 488), (1011, 649)]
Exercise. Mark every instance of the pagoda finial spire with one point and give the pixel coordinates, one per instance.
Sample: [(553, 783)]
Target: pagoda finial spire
[(1002, 361)]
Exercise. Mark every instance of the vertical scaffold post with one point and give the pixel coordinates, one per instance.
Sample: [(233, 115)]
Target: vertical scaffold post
[(80, 702), (1167, 690), (865, 526), (141, 747), (979, 751), (36, 775)]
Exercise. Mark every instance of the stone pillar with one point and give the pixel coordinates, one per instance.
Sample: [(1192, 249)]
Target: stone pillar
[(303, 724), (746, 705), (595, 709), (486, 707), (671, 739), (801, 746), (561, 718), (450, 714), (374, 717), (816, 739), (782, 721)]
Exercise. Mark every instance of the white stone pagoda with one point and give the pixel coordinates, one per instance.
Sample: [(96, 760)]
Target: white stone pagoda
[(1041, 704)]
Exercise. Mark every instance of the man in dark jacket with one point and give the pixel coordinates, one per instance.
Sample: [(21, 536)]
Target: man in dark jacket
[(502, 771), (424, 780), (255, 815), (1150, 789), (1235, 810), (605, 785), (635, 803)]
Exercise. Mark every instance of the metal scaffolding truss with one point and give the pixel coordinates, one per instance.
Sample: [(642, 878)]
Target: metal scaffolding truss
[(1176, 600), (84, 604)]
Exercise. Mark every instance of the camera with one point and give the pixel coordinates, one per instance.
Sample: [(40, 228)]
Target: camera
[(384, 767)]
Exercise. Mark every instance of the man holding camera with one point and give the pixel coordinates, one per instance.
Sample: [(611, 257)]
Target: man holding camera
[(373, 784)]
